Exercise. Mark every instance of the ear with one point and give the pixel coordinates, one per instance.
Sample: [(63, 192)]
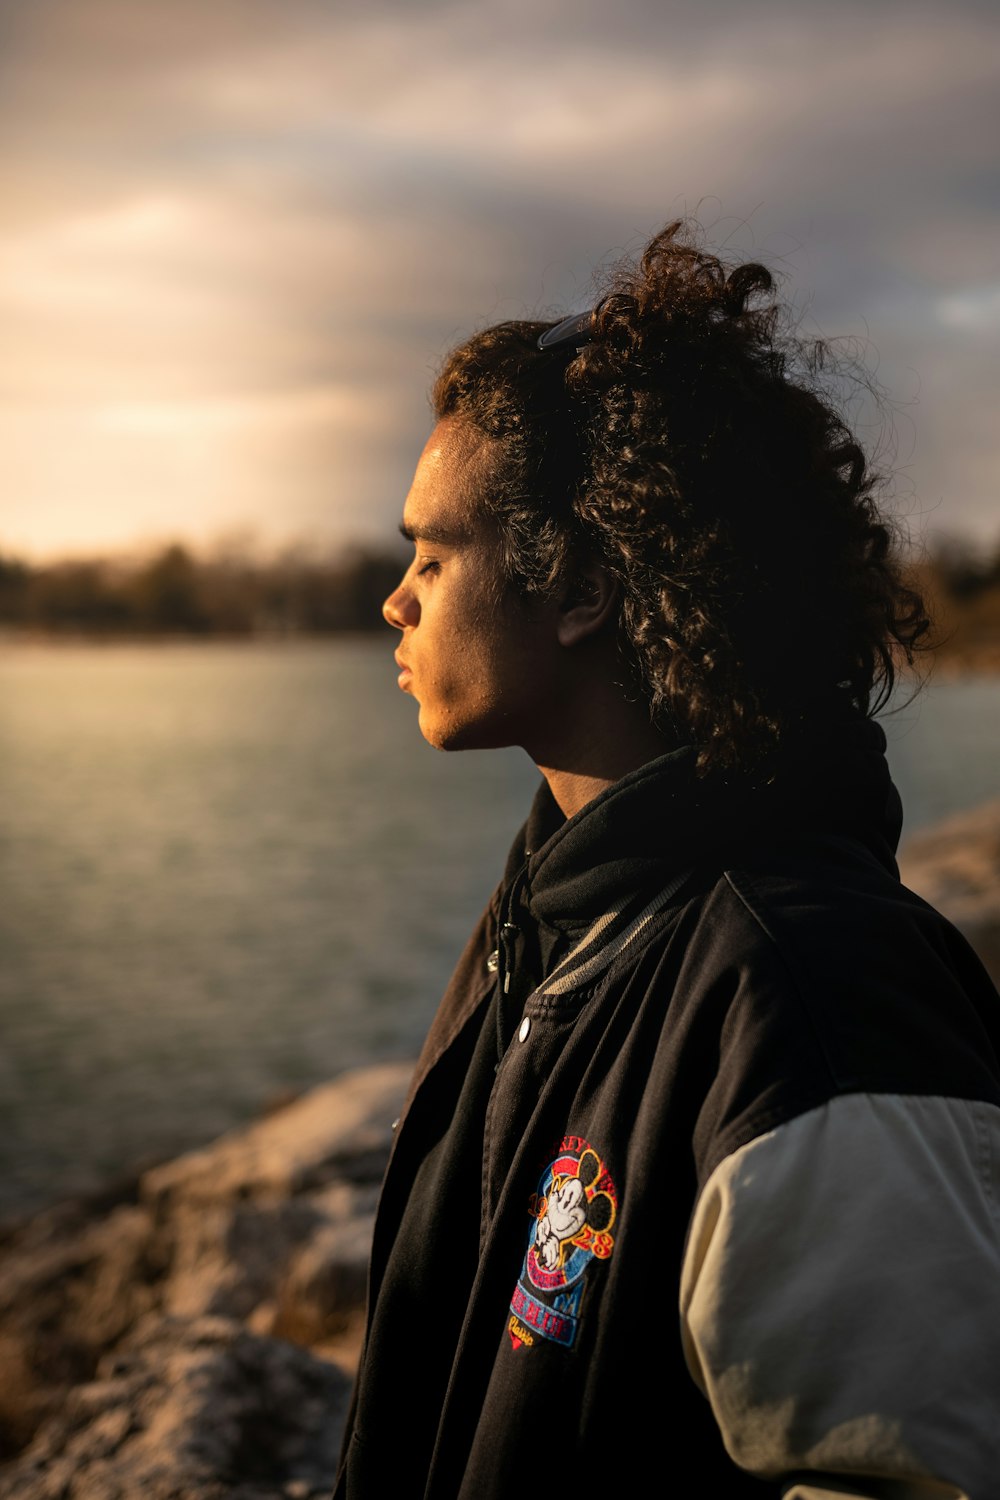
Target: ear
[(589, 598)]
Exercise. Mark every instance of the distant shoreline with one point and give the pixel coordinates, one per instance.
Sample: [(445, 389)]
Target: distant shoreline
[(19, 638), (965, 661)]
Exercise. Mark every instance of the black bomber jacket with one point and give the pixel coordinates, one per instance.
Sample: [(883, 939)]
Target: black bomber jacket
[(700, 1169)]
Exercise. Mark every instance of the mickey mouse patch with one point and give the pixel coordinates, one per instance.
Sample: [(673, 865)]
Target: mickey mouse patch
[(572, 1214)]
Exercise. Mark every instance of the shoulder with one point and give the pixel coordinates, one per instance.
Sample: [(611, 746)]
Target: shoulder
[(896, 993), (806, 971), (847, 1151)]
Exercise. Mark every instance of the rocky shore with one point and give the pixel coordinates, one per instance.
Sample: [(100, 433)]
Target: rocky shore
[(955, 865), (192, 1334)]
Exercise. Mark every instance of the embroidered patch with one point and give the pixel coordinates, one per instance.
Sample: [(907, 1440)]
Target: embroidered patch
[(572, 1214)]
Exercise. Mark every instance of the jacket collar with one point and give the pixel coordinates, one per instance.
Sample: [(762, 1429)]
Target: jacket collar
[(662, 819), (654, 824)]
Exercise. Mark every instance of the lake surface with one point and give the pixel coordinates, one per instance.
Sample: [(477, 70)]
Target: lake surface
[(229, 871)]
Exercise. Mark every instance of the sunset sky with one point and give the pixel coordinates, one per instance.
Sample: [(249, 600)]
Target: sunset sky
[(239, 235)]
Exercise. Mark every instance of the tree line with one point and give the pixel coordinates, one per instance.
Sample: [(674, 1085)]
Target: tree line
[(175, 592), (961, 584)]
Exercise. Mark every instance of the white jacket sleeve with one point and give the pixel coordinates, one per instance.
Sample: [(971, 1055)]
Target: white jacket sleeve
[(840, 1300)]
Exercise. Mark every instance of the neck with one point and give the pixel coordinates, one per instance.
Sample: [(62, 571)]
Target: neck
[(607, 749)]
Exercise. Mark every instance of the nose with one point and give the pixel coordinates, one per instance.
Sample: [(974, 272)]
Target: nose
[(400, 609)]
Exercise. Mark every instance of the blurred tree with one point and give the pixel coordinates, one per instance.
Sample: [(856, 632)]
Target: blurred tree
[(15, 588), (168, 593), (961, 584), (78, 596)]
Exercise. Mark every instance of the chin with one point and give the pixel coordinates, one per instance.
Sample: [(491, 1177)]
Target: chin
[(437, 735), (449, 739), (461, 736)]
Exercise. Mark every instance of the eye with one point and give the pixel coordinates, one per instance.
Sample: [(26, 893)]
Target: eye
[(430, 566)]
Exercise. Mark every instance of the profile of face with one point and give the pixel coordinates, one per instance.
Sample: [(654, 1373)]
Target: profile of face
[(481, 662)]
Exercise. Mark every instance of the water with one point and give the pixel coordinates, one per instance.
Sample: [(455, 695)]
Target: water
[(231, 871), (944, 748)]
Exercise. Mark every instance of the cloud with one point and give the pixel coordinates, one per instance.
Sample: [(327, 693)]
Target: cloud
[(976, 308), (231, 208)]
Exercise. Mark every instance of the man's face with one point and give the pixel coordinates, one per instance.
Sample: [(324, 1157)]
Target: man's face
[(478, 660)]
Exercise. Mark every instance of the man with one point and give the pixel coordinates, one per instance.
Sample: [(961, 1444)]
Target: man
[(696, 1189)]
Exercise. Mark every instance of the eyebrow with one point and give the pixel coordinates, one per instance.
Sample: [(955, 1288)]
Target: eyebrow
[(430, 533)]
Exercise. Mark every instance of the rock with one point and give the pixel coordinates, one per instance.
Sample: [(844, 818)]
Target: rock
[(68, 1291), (190, 1407), (955, 865), (337, 1132), (155, 1342), (228, 1259), (324, 1281)]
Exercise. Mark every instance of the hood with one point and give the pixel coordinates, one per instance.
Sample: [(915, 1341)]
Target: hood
[(662, 819)]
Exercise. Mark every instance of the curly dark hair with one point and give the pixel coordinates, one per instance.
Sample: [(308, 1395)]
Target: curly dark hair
[(692, 448)]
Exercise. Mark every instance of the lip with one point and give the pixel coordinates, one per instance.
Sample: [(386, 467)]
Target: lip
[(404, 672)]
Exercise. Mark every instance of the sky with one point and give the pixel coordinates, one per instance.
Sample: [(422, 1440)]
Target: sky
[(237, 237)]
